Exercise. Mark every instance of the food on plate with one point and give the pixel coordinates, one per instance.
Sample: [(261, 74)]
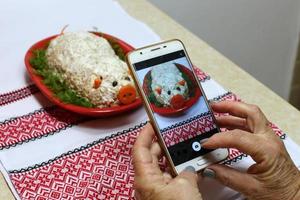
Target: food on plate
[(88, 65), (169, 85)]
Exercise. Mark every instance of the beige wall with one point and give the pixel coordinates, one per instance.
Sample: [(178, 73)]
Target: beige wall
[(295, 88), (260, 36)]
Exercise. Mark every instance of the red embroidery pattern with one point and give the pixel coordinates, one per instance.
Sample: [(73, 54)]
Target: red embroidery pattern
[(233, 153), (200, 74), (41, 123), (227, 97), (103, 171), (16, 95), (188, 130), (276, 130), (37, 124)]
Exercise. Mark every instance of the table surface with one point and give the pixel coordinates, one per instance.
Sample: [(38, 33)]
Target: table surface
[(228, 74)]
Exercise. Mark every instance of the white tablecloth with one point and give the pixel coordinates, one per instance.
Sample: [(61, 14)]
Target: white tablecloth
[(25, 22)]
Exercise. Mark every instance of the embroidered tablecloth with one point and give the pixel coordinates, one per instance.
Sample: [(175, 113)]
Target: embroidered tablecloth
[(49, 153)]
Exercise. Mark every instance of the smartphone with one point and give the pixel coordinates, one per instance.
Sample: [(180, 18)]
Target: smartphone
[(176, 104)]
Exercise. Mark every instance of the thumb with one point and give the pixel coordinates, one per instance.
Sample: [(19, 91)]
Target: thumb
[(239, 181)]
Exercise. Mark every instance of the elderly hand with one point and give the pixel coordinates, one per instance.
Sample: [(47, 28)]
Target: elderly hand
[(150, 182), (274, 176)]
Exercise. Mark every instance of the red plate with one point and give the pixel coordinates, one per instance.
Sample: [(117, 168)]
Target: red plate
[(169, 110), (95, 112)]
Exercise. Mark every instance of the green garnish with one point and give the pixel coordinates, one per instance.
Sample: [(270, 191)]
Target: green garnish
[(189, 82), (118, 50), (151, 95), (54, 81)]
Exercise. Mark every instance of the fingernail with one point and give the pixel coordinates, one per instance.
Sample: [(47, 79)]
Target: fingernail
[(190, 169), (204, 142), (209, 173)]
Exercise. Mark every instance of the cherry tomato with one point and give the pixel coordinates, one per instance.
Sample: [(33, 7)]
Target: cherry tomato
[(127, 94), (177, 101)]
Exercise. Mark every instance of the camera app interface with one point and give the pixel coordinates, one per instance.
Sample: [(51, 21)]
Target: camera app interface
[(178, 105)]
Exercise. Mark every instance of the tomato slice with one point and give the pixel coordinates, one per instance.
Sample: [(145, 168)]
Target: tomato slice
[(177, 101), (127, 94)]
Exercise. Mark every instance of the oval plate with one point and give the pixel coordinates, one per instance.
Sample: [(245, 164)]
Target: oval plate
[(94, 112), (169, 110)]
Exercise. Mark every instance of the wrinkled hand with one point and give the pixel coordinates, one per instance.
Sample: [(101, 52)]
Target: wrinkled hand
[(274, 176), (150, 182)]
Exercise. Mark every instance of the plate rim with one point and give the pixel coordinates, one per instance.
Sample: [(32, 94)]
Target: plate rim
[(168, 111)]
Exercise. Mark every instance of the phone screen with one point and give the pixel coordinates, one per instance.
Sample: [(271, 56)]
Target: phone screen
[(178, 105)]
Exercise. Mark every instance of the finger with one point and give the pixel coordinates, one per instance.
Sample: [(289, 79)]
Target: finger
[(241, 140), (142, 156), (168, 170), (137, 195), (239, 181), (256, 120), (232, 122), (145, 138), (167, 177), (156, 150), (187, 176)]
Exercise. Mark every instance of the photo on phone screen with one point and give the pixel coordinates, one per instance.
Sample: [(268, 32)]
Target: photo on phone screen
[(178, 105)]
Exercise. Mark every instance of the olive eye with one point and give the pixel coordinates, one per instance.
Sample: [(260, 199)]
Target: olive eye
[(115, 83), (178, 88), (169, 92), (101, 77), (127, 78)]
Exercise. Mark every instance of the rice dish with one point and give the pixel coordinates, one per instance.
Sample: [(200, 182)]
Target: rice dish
[(90, 66), (168, 85)]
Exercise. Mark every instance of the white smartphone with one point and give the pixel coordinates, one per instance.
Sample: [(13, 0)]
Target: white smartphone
[(176, 104)]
